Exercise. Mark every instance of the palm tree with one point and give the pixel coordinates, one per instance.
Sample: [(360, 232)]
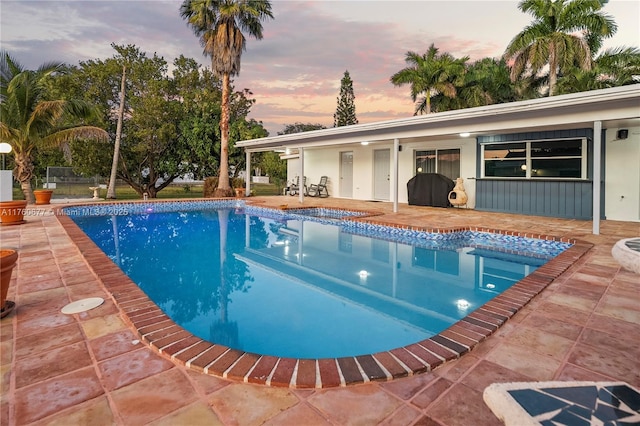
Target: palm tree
[(618, 66), (614, 67), (485, 82), (562, 36), (431, 74), (219, 24), (29, 119)]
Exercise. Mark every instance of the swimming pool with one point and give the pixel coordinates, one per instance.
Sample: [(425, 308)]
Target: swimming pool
[(163, 335), (299, 284)]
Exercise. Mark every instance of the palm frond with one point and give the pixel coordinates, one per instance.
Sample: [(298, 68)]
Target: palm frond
[(71, 134)]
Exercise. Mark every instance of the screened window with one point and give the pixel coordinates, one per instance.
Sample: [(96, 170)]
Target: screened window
[(536, 159), (505, 160), (443, 161), (549, 159)]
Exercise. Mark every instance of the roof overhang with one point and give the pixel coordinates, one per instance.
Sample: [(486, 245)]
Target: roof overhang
[(614, 107)]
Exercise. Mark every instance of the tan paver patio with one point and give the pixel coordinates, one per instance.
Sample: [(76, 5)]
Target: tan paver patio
[(89, 369)]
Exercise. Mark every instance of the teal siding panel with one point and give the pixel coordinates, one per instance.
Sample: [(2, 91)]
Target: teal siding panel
[(501, 196), (526, 196), (587, 200), (570, 199), (538, 200), (554, 200)]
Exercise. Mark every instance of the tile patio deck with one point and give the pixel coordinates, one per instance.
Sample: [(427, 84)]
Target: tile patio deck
[(89, 369)]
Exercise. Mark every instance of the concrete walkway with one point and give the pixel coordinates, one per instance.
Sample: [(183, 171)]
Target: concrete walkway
[(89, 368)]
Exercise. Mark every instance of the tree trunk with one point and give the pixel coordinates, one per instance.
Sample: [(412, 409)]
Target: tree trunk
[(24, 173), (111, 190), (151, 191), (224, 187), (553, 70)]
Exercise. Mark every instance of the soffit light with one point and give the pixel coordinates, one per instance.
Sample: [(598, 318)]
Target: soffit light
[(364, 143), (465, 134)]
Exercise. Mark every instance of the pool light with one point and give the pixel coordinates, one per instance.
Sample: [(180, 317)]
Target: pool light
[(462, 304), (363, 274)]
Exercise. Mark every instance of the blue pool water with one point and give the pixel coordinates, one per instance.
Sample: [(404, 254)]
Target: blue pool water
[(305, 286)]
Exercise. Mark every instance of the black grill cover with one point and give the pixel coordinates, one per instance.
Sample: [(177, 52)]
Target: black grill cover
[(430, 189)]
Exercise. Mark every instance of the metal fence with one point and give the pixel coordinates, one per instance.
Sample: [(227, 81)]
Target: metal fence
[(66, 182)]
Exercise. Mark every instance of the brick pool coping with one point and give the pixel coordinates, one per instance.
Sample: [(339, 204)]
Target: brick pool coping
[(171, 341)]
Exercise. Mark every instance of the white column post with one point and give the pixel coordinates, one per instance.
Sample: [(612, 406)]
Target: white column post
[(301, 180), (394, 186), (247, 177), (597, 172)]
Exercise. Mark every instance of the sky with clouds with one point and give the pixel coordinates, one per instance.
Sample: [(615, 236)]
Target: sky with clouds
[(294, 72)]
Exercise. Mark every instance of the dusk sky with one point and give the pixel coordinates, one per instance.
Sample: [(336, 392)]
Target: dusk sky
[(294, 72)]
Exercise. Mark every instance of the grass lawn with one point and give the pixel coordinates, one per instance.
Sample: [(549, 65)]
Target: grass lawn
[(127, 193)]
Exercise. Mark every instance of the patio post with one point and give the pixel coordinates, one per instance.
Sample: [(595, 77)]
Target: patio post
[(301, 180), (394, 187), (597, 171), (247, 176)]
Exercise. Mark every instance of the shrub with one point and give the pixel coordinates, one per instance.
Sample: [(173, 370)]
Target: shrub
[(210, 185), (237, 182)]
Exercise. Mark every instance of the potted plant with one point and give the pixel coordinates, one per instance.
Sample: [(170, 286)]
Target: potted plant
[(12, 212), (239, 187), (43, 196), (8, 259)]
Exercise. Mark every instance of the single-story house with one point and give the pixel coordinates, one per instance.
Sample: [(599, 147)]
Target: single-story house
[(564, 156)]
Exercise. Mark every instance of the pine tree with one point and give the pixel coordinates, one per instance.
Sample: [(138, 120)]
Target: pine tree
[(346, 110)]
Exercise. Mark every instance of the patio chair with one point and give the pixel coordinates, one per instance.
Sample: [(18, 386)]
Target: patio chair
[(294, 189), (319, 190)]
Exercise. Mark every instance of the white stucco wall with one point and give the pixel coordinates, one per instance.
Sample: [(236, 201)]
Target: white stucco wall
[(293, 166), (323, 162), (622, 176), (6, 185)]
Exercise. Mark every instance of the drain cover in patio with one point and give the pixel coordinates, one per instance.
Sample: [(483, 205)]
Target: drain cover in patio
[(82, 305)]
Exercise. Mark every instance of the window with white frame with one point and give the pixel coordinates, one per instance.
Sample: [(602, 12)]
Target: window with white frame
[(443, 161), (556, 159)]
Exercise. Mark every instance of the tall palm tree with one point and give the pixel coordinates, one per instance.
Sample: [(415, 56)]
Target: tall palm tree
[(29, 119), (220, 25), (614, 67), (431, 74), (562, 35)]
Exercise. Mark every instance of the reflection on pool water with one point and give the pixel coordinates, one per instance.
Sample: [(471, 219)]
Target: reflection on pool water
[(291, 286)]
